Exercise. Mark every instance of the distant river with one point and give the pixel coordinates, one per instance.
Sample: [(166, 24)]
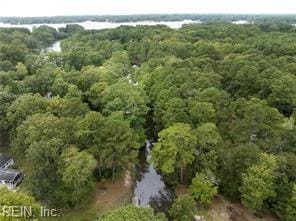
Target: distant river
[(89, 25)]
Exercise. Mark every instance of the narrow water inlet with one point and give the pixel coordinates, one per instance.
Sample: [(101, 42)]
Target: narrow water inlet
[(150, 188)]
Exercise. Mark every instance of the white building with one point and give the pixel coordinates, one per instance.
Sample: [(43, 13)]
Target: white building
[(9, 177), (5, 161)]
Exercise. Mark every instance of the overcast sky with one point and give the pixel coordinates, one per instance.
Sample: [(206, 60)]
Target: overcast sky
[(104, 7)]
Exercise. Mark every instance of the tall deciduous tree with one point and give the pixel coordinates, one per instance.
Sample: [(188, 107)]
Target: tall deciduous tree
[(76, 174), (175, 149), (258, 182), (208, 136), (255, 122), (23, 107), (41, 139), (201, 112), (117, 142), (128, 98)]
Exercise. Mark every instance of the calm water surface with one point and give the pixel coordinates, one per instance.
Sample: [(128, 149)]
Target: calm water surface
[(150, 188)]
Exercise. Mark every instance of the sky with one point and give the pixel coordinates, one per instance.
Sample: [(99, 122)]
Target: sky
[(123, 7)]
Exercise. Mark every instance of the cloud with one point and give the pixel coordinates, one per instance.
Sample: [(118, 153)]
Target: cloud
[(103, 7)]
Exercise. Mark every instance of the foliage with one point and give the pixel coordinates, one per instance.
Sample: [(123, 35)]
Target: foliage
[(235, 160), (23, 107), (117, 143), (76, 172), (258, 182), (42, 139), (6, 98), (291, 206), (132, 213), (175, 148), (15, 199), (183, 209), (202, 189)]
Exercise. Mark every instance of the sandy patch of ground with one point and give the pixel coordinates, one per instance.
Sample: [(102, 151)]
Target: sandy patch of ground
[(223, 210), (108, 195), (112, 194)]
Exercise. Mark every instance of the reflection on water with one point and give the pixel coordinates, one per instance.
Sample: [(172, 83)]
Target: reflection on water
[(150, 188)]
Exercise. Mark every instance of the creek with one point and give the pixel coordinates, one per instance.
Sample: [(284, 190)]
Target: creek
[(150, 188)]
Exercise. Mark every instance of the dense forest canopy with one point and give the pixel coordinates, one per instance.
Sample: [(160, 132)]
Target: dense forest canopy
[(218, 100)]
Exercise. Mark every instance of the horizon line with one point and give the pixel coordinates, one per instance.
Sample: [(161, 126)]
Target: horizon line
[(153, 14)]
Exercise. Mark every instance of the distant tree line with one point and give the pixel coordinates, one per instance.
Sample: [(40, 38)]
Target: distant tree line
[(206, 18)]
